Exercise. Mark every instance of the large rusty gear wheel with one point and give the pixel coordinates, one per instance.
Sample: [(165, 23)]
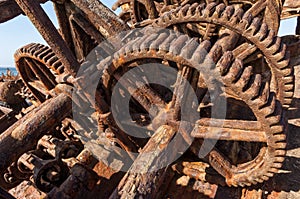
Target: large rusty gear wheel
[(139, 11), (38, 66), (253, 30), (267, 127)]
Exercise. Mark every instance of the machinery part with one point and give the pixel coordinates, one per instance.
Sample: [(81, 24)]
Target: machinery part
[(252, 30), (25, 133), (38, 65), (237, 79), (44, 25), (10, 9), (109, 25), (291, 9), (141, 180), (47, 174), (141, 11), (78, 184), (59, 149)]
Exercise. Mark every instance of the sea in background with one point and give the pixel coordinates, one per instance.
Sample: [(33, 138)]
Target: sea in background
[(3, 70)]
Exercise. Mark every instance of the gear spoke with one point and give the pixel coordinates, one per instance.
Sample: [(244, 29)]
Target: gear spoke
[(235, 130)]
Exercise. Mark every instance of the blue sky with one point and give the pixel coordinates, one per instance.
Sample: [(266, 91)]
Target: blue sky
[(19, 32)]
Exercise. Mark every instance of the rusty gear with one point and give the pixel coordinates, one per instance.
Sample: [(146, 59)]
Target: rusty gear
[(38, 65), (238, 79)]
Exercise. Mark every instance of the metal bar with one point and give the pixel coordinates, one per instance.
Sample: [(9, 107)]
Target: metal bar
[(105, 20), (218, 133), (248, 131), (141, 173), (41, 21), (9, 9), (90, 30), (64, 23)]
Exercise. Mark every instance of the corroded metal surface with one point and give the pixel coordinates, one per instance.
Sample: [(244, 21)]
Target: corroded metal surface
[(65, 157)]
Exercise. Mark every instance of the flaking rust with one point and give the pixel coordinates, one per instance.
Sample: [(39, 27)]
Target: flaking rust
[(96, 157)]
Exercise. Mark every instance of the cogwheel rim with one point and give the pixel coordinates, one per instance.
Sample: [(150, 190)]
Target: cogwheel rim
[(47, 65), (236, 20), (267, 109)]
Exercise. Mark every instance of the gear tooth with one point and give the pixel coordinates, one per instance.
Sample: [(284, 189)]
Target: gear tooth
[(166, 44), (128, 49), (279, 159), (270, 173), (225, 62), (199, 9), (52, 60), (215, 53), (178, 44), (246, 21), (263, 32), (259, 180), (280, 152), (264, 94), (234, 73), (252, 91), (289, 79), (209, 10), (200, 53), (147, 42), (276, 128), (48, 56), (265, 178), (44, 53), (56, 64), (269, 107), (277, 165), (277, 46), (286, 71), (254, 27), (282, 54), (189, 49), (288, 94), (244, 79), (40, 50), (289, 87), (192, 9), (287, 102), (219, 10), (280, 145), (269, 39), (227, 14), (184, 10), (155, 44), (237, 16)]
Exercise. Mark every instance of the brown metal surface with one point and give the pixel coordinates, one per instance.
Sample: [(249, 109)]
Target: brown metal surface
[(74, 161), (106, 22), (46, 28), (25, 133)]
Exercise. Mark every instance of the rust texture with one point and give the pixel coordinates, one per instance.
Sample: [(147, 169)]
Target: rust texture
[(221, 50)]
